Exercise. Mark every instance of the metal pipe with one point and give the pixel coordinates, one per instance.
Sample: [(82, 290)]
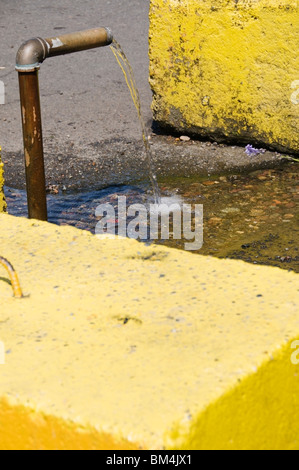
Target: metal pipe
[(81, 41), (30, 56), (32, 53), (33, 145)]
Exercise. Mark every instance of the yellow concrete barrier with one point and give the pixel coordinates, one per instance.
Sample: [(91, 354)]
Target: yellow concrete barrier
[(2, 198), (121, 345), (227, 70)]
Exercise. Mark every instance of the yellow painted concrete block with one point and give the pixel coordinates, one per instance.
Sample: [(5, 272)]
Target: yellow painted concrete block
[(122, 345), (227, 70), (2, 199)]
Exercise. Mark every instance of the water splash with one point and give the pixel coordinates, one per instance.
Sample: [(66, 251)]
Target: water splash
[(130, 80)]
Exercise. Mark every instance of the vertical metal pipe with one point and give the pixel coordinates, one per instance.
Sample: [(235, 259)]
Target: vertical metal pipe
[(33, 145), (29, 57)]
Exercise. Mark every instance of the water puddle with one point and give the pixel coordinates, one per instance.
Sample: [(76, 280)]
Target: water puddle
[(252, 217), (76, 209)]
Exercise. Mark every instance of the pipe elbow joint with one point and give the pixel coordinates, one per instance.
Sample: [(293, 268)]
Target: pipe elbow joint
[(31, 54)]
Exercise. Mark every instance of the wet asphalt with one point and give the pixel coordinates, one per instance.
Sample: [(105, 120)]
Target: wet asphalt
[(92, 137)]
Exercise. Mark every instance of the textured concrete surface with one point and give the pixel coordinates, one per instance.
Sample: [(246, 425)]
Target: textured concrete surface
[(227, 70), (121, 345), (2, 199)]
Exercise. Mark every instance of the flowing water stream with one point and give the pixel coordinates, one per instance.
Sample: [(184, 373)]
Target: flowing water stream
[(131, 82)]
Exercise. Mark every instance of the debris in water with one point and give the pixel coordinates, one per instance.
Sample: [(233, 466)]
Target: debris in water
[(250, 150)]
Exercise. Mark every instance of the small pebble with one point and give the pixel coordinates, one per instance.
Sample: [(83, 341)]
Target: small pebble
[(184, 138)]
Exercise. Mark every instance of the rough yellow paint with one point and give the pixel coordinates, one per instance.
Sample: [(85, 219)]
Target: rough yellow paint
[(122, 345), (227, 70), (2, 198), (256, 411), (25, 428)]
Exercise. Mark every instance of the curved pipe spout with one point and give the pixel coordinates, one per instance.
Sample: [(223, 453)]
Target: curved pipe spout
[(30, 56), (32, 53)]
